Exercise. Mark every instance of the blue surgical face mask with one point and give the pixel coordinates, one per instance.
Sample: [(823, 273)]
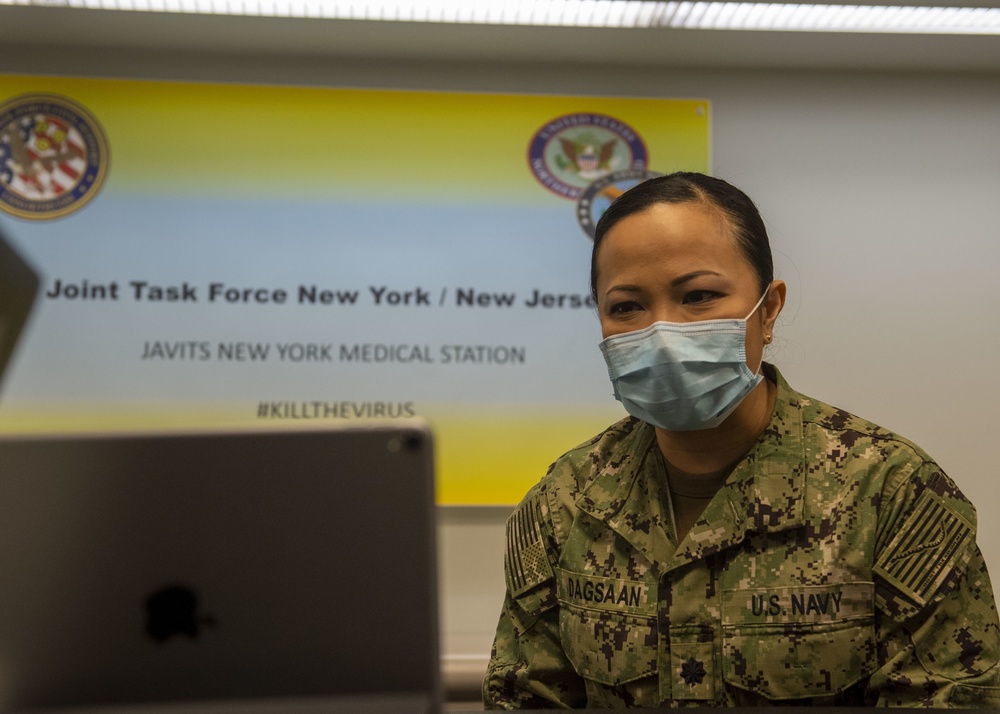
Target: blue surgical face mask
[(682, 376)]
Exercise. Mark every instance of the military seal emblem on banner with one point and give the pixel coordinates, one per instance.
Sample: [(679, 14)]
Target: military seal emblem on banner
[(570, 152), (596, 197), (53, 156)]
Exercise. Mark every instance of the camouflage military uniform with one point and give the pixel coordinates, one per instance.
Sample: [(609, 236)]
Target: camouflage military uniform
[(837, 565)]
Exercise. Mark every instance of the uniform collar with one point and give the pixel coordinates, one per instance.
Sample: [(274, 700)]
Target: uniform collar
[(764, 493)]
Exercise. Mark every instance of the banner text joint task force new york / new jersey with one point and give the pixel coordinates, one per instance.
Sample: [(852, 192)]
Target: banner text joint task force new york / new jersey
[(378, 296)]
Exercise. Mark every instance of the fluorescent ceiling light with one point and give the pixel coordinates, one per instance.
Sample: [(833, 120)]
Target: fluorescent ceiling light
[(590, 13)]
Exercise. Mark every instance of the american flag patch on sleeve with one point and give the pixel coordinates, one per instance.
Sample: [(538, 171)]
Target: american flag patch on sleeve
[(929, 544), (527, 564)]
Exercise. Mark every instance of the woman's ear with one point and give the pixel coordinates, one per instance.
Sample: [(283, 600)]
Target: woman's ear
[(772, 306)]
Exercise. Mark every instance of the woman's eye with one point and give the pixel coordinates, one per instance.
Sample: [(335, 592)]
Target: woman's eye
[(623, 308), (697, 297)]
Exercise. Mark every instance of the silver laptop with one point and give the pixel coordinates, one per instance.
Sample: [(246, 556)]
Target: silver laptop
[(258, 572), (18, 288)]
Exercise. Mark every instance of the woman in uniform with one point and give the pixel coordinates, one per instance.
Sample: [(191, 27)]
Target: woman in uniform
[(732, 542)]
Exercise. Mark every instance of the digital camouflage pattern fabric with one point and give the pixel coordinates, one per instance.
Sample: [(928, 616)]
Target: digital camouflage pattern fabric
[(837, 565)]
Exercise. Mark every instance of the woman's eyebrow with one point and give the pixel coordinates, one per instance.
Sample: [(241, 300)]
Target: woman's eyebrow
[(690, 276), (623, 288)]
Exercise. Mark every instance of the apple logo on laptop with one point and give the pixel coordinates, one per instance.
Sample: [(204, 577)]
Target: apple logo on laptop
[(173, 610)]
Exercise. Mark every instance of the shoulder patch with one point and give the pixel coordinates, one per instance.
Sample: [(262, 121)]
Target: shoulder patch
[(930, 542), (527, 564)]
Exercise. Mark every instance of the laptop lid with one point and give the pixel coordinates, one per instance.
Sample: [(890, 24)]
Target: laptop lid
[(18, 287), (280, 566)]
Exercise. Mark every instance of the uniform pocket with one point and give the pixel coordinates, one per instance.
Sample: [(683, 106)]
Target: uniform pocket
[(798, 643), (607, 627)]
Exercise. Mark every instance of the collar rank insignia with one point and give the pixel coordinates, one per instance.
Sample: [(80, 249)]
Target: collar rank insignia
[(693, 672)]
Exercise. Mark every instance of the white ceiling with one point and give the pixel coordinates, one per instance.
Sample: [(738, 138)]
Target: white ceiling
[(46, 39)]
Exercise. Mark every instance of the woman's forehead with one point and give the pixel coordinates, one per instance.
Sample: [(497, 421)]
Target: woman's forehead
[(669, 233)]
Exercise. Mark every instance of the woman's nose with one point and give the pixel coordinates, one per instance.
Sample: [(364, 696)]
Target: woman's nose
[(664, 312)]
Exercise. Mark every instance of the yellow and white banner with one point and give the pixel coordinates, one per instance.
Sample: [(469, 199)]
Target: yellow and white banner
[(223, 254)]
